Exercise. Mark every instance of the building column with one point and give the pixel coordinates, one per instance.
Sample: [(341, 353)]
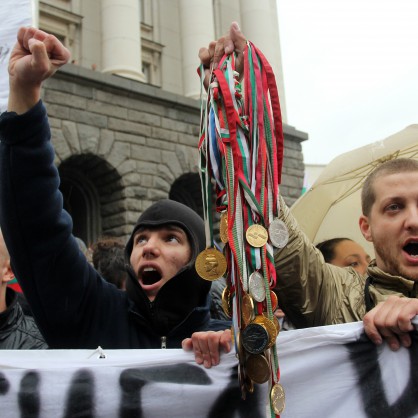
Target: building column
[(197, 30), (260, 24), (121, 27)]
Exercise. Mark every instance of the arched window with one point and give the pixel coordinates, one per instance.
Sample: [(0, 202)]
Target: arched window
[(93, 196), (82, 202), (186, 189)]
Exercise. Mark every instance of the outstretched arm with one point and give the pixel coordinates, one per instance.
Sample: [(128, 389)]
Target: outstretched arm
[(391, 321), (207, 346), (35, 57), (67, 296)]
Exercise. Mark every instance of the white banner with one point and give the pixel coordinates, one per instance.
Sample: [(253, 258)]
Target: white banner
[(13, 15), (337, 372), (326, 372)]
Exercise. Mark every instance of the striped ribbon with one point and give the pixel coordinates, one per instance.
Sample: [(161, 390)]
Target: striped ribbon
[(241, 149)]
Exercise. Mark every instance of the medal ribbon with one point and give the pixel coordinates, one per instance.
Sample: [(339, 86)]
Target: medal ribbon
[(241, 148)]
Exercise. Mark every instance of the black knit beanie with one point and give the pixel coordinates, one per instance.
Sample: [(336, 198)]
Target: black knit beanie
[(186, 290), (170, 212)]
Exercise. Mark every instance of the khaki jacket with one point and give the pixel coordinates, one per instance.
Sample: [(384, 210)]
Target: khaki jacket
[(313, 293)]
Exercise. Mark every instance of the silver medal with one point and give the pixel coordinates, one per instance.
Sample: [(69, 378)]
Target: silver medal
[(278, 233), (256, 286)]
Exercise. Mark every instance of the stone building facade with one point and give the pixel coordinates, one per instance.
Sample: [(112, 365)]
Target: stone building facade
[(122, 143)]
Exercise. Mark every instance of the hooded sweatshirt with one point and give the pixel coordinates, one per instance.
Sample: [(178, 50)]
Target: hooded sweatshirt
[(186, 290), (73, 305)]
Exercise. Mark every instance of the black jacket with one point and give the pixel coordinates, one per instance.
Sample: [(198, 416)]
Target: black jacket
[(73, 306), (18, 331)]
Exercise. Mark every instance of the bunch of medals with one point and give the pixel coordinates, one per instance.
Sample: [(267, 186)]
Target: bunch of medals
[(241, 154)]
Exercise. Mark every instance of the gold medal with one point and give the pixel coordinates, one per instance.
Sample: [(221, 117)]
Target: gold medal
[(277, 398), (258, 368), (256, 235), (240, 354), (226, 302), (210, 264), (276, 323), (247, 309), (223, 227), (271, 329)]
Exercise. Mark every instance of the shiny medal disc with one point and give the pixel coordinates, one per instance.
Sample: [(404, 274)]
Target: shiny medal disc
[(226, 302), (277, 398), (271, 329), (273, 301), (256, 286), (247, 309), (258, 368), (278, 233), (255, 338), (240, 354), (210, 264), (276, 323), (256, 235), (223, 227)]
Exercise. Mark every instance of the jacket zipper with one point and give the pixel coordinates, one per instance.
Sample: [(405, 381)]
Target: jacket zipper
[(163, 342)]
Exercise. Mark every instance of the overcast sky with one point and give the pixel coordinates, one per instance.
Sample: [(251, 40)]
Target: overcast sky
[(350, 71)]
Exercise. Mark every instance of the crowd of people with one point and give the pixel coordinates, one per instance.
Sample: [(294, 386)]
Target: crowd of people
[(146, 293)]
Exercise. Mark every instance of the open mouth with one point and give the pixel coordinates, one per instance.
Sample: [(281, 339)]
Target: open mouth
[(150, 275), (412, 249)]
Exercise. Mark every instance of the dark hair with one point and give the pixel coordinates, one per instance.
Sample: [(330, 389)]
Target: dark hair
[(327, 247), (399, 165), (102, 246), (109, 260)]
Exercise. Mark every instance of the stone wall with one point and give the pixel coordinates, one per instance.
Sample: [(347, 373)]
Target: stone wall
[(121, 145)]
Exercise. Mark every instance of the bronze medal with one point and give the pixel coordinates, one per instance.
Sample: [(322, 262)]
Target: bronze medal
[(277, 398), (248, 383), (278, 233), (227, 302), (247, 309), (223, 227), (210, 264), (258, 368), (256, 286), (256, 235), (273, 301), (241, 378), (255, 338)]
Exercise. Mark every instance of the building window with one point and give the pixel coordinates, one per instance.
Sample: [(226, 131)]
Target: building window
[(65, 25), (151, 61), (146, 70), (146, 11)]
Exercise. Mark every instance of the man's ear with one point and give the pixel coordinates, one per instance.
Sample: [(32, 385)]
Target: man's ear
[(8, 274), (365, 228)]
